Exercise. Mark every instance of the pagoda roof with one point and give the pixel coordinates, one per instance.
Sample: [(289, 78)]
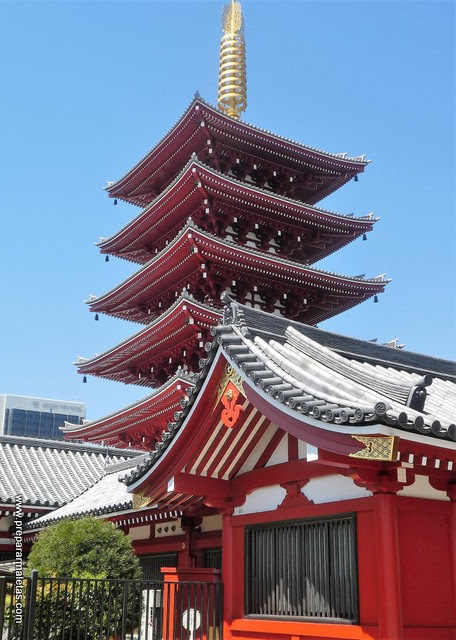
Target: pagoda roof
[(49, 473), (314, 394), (193, 192), (139, 424), (182, 264), (199, 125), (181, 329)]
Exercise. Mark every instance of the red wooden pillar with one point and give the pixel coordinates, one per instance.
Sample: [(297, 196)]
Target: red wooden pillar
[(388, 567), (227, 570), (452, 495)]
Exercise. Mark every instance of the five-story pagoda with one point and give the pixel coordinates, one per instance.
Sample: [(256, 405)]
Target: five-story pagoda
[(226, 207)]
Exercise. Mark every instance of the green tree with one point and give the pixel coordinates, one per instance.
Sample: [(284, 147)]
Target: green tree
[(85, 548), (87, 581)]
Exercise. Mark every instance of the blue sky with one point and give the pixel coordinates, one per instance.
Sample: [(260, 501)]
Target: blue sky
[(89, 87)]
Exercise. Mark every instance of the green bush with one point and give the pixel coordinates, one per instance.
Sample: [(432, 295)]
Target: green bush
[(92, 552), (86, 548)]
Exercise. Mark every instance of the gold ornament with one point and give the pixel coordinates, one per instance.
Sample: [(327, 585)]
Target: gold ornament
[(230, 375), (140, 501), (377, 448), (232, 87)]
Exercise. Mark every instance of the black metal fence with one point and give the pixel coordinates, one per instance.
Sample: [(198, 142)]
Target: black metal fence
[(88, 609)]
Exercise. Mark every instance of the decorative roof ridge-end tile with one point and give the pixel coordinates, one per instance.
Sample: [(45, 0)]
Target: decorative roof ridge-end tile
[(342, 412), (387, 351)]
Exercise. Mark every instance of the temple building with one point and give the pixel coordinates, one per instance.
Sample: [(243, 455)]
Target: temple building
[(312, 473)]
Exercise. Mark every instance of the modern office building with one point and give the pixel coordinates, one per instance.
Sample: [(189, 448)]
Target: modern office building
[(37, 417)]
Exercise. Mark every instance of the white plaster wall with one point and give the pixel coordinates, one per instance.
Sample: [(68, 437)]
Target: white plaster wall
[(333, 488), (6, 522), (422, 489), (212, 523), (140, 533), (264, 499)]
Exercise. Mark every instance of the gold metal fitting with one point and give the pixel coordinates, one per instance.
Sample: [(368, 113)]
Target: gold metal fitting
[(232, 88)]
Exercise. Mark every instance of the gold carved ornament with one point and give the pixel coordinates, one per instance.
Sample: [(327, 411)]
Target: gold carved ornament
[(382, 448), (140, 501)]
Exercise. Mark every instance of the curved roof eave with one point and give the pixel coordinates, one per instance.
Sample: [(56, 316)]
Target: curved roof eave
[(154, 326), (358, 162), (378, 282), (363, 222)]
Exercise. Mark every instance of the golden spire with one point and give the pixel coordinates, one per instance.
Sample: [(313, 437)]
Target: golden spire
[(232, 88)]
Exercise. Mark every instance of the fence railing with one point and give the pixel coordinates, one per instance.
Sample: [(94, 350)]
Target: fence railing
[(97, 609)]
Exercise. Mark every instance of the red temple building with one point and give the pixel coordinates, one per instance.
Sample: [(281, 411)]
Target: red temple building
[(312, 473)]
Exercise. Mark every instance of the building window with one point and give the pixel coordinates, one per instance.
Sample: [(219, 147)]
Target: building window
[(212, 559), (151, 565), (304, 569)]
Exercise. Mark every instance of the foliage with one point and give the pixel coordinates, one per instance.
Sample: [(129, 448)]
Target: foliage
[(86, 548), (98, 560)]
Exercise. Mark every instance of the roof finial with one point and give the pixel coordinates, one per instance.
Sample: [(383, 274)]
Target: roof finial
[(232, 89)]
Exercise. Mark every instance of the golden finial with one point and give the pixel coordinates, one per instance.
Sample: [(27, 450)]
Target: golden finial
[(232, 89)]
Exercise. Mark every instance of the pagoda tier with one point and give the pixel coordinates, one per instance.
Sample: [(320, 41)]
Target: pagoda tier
[(175, 339), (141, 424), (256, 156), (232, 209), (206, 266)]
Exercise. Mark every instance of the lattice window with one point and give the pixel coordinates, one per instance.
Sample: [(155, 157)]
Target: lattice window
[(304, 569), (151, 565), (212, 558)]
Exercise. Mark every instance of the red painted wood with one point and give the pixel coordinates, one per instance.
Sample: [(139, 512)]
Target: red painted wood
[(251, 446), (453, 550), (157, 224), (388, 567), (284, 630), (425, 545), (270, 448), (326, 439), (292, 447), (157, 169)]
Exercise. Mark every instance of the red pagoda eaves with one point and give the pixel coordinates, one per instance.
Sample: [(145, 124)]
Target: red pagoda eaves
[(259, 156), (232, 209), (141, 424), (175, 339), (206, 266)]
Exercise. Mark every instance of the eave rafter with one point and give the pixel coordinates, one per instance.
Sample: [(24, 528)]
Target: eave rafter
[(175, 339), (206, 266), (225, 206), (139, 425), (213, 135)]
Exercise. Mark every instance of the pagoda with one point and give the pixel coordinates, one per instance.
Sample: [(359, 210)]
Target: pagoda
[(226, 207)]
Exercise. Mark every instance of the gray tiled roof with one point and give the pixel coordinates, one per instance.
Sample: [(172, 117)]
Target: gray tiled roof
[(107, 495), (272, 325), (330, 377), (50, 473)]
